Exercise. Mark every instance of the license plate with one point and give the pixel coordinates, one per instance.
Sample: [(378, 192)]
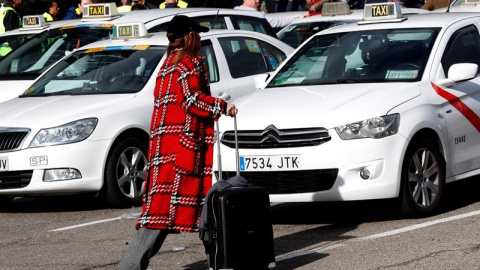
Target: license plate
[(3, 164), (271, 163)]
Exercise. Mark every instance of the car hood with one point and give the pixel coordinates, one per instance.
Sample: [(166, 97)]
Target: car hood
[(325, 106), (45, 112), (12, 89)]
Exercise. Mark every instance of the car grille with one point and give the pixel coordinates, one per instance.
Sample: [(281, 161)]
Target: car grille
[(271, 137), (11, 139), (287, 182), (15, 179)]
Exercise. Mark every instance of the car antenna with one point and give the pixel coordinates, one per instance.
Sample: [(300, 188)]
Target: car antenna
[(214, 19), (449, 4)]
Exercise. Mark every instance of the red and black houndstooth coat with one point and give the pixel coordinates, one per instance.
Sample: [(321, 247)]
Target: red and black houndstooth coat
[(180, 153)]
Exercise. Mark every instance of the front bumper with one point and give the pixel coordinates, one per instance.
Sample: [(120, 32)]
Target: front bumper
[(383, 158), (88, 157)]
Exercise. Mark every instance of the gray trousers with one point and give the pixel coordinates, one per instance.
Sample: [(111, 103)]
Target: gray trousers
[(145, 244)]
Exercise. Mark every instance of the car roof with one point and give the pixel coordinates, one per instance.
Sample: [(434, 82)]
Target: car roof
[(145, 16), (160, 38), (31, 31), (355, 15), (459, 8), (432, 20)]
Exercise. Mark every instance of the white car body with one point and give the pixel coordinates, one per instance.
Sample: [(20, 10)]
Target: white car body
[(443, 110), (154, 20), (119, 116)]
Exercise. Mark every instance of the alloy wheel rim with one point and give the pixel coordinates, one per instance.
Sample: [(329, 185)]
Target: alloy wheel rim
[(423, 178), (131, 170)]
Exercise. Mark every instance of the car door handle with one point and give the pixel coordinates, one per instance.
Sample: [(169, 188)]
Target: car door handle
[(448, 111), (224, 96)]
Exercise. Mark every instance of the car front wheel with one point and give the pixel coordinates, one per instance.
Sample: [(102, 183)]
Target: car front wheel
[(125, 173), (423, 179)]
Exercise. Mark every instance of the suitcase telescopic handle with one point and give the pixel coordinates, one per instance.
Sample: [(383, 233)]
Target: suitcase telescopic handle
[(219, 155)]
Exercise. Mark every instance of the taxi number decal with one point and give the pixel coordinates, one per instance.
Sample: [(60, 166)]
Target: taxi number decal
[(471, 116), (97, 10), (461, 139), (380, 10), (32, 21)]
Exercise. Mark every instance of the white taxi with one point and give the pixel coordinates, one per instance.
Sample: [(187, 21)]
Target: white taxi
[(31, 25), (83, 125), (333, 14), (386, 108), (54, 40)]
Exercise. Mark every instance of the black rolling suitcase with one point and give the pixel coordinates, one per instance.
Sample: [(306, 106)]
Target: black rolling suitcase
[(239, 228)]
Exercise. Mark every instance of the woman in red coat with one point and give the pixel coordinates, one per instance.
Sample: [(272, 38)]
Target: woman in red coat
[(180, 152)]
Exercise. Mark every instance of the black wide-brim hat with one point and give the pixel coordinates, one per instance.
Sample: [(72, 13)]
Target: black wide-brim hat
[(181, 25)]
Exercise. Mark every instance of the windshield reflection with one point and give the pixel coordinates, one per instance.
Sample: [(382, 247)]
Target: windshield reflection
[(111, 70), (390, 55), (46, 48)]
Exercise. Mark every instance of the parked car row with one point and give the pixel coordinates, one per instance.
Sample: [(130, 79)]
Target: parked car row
[(385, 107), (82, 126)]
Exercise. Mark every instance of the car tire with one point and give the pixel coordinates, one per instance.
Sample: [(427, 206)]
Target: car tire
[(423, 179), (125, 173)]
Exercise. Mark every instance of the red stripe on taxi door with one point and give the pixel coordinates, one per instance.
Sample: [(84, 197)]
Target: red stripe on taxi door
[(471, 116)]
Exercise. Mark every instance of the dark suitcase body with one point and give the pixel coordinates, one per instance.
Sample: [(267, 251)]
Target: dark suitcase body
[(241, 234)]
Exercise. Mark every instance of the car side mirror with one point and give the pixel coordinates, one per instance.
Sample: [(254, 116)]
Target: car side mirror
[(260, 80), (460, 72)]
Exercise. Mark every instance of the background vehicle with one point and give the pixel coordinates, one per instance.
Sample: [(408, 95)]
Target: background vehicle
[(19, 69), (300, 30), (83, 126)]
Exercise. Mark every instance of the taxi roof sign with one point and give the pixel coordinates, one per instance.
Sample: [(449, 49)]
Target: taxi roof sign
[(33, 22), (335, 8), (382, 12), (126, 31), (103, 11)]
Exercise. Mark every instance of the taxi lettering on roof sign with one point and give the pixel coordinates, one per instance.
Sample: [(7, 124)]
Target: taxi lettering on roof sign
[(335, 8), (127, 31), (100, 11), (382, 12), (33, 22)]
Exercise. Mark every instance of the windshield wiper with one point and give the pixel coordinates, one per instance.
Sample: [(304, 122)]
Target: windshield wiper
[(46, 94)]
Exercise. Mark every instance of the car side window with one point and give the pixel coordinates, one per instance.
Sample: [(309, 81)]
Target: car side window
[(250, 24), (463, 47), (208, 57), (244, 56), (273, 56), (211, 22)]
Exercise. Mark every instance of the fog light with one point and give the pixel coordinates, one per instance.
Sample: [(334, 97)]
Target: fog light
[(365, 174), (61, 174)]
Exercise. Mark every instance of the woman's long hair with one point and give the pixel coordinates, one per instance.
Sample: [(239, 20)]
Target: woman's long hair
[(188, 44)]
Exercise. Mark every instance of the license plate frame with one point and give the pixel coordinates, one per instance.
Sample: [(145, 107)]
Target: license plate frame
[(287, 162)]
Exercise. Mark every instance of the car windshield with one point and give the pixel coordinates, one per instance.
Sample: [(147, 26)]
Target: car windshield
[(296, 34), (46, 48), (11, 42), (389, 55), (110, 70)]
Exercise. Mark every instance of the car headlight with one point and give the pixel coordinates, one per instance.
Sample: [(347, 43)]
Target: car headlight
[(69, 133), (378, 127)]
